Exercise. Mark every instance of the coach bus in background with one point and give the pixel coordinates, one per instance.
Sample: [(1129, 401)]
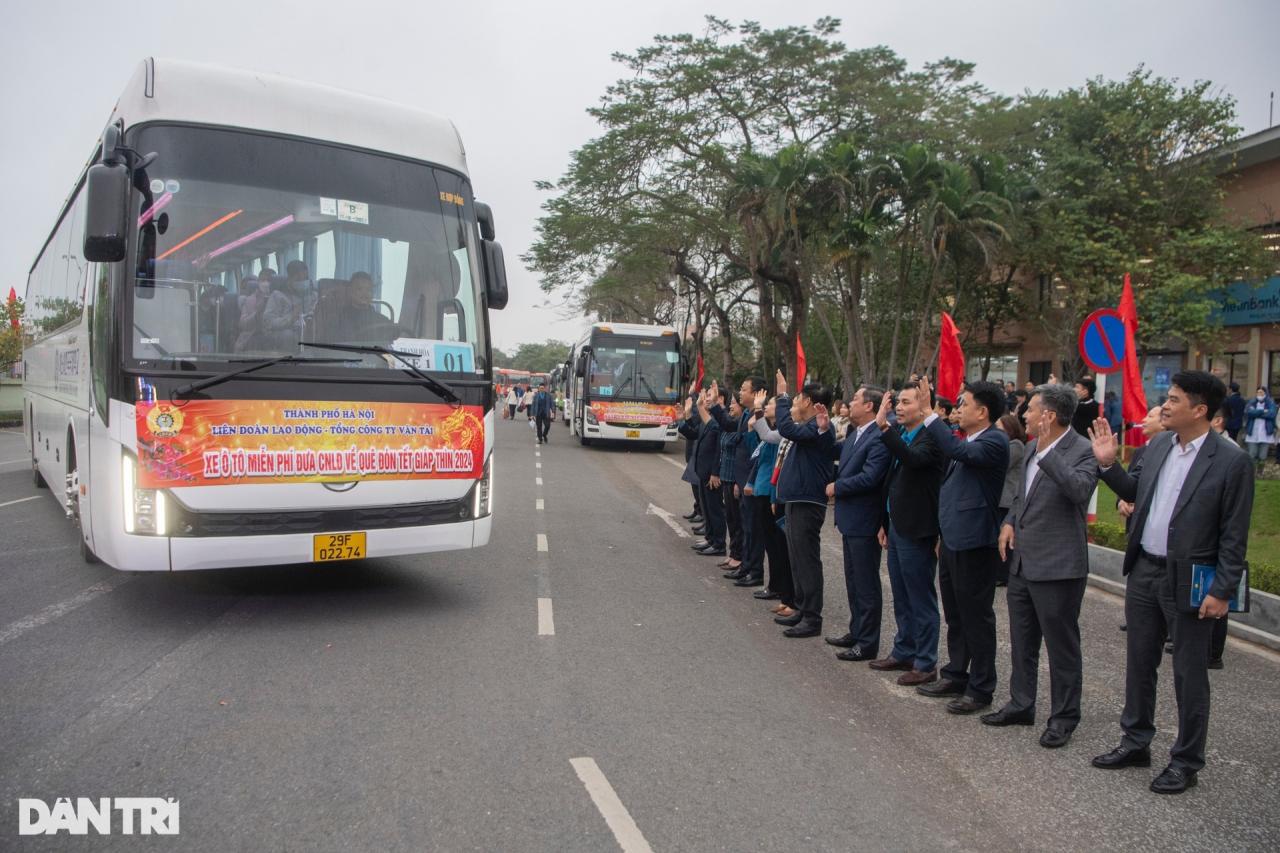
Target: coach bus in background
[(506, 377), (261, 330), (624, 384)]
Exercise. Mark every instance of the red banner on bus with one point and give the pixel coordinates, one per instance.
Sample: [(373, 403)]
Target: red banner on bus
[(635, 413), (228, 442)]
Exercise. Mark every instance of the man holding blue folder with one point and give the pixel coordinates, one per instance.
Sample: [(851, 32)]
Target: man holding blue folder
[(1193, 495)]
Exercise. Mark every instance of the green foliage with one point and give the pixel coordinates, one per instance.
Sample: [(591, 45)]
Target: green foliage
[(1108, 535), (11, 338), (539, 358), (775, 183)]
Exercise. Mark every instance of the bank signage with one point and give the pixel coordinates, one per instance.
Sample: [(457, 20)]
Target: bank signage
[(1241, 304)]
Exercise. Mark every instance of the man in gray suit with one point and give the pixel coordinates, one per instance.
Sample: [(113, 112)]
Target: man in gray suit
[(1046, 538), (1192, 495)]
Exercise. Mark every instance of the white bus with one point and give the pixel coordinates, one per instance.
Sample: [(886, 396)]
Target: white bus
[(261, 331), (623, 383)]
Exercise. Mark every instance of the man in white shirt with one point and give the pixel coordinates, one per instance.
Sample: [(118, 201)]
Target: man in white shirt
[(1193, 497)]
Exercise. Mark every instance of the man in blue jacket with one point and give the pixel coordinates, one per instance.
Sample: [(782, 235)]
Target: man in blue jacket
[(864, 462), (706, 466), (968, 561), (540, 408), (802, 490)]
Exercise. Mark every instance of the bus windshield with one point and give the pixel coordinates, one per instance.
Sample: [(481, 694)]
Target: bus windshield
[(635, 368), (247, 244)]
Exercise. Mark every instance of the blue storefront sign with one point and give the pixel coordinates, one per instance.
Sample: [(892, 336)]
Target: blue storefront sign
[(1241, 304)]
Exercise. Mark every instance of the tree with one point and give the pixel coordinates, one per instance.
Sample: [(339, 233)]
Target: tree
[(11, 337), (540, 358)]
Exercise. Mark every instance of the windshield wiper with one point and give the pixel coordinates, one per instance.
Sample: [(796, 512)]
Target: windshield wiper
[(185, 391), (405, 358), (653, 396), (623, 385)]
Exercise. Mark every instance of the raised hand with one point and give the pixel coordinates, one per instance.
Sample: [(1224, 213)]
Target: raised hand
[(1124, 508), (1105, 445), (1005, 543), (925, 388), (693, 387), (1047, 419), (822, 416), (882, 416), (780, 383), (715, 391), (762, 397)]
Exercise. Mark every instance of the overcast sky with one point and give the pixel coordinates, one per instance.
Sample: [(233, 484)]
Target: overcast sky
[(516, 77)]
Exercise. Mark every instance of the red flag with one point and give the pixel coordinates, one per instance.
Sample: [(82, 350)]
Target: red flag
[(13, 314), (1134, 408), (701, 372), (950, 360), (802, 367)]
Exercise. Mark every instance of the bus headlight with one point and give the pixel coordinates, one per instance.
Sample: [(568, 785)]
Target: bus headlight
[(591, 417), (144, 509), (482, 494)]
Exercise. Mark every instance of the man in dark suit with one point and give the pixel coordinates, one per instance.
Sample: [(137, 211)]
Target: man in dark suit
[(864, 461), (1233, 408), (706, 467), (1087, 410), (541, 410), (751, 572), (802, 490), (909, 530), (1046, 539), (1193, 497), (968, 561)]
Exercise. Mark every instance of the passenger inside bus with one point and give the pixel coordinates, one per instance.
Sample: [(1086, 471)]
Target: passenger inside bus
[(347, 315)]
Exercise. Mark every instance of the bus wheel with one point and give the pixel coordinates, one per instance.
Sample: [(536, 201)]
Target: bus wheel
[(584, 441)]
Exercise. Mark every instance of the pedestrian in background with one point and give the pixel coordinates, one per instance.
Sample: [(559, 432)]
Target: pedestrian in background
[(1233, 412), (1260, 427), (1087, 412)]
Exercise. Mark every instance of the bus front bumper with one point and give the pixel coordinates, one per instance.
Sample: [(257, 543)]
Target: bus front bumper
[(222, 552)]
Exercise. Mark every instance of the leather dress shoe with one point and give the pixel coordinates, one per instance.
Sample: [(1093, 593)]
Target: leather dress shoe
[(916, 677), (690, 516), (793, 619), (712, 552), (765, 594), (702, 543), (1009, 718), (803, 629), (940, 688), (1123, 756), (854, 653), (965, 705), (889, 663), (749, 580), (735, 574), (1215, 663), (844, 641), (699, 531), (1174, 780), (1052, 738)]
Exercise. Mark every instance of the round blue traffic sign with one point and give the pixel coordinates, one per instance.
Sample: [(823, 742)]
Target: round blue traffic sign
[(1102, 341)]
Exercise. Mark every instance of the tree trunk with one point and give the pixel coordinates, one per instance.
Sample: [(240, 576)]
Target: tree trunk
[(835, 349)]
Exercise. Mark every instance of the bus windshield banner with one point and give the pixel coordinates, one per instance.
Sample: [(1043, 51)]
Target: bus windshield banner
[(233, 442), (634, 413)]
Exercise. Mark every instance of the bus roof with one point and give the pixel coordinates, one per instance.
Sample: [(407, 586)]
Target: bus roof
[(635, 329), (190, 92)]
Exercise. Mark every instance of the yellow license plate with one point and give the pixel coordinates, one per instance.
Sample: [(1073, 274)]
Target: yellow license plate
[(327, 547), (633, 433)]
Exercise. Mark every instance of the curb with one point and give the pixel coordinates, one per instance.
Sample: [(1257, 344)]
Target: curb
[(1260, 625)]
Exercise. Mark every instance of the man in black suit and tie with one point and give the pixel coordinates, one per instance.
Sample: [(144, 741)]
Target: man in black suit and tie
[(1046, 538), (706, 467), (968, 561), (864, 461), (1193, 496)]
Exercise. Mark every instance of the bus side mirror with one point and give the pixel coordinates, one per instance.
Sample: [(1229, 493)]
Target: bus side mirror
[(484, 216), (580, 369), (106, 216), (495, 274)]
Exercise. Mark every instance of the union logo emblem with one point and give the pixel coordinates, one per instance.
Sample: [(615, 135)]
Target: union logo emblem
[(164, 421)]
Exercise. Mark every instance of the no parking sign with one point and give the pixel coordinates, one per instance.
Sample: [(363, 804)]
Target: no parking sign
[(1102, 341)]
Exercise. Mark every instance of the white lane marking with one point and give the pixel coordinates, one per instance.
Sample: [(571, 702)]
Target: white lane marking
[(15, 462), (537, 481), (13, 432), (537, 453), (611, 808), (19, 501), (540, 504), (546, 623), (537, 465), (671, 461), (542, 542), (43, 617), (669, 519), (15, 459)]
